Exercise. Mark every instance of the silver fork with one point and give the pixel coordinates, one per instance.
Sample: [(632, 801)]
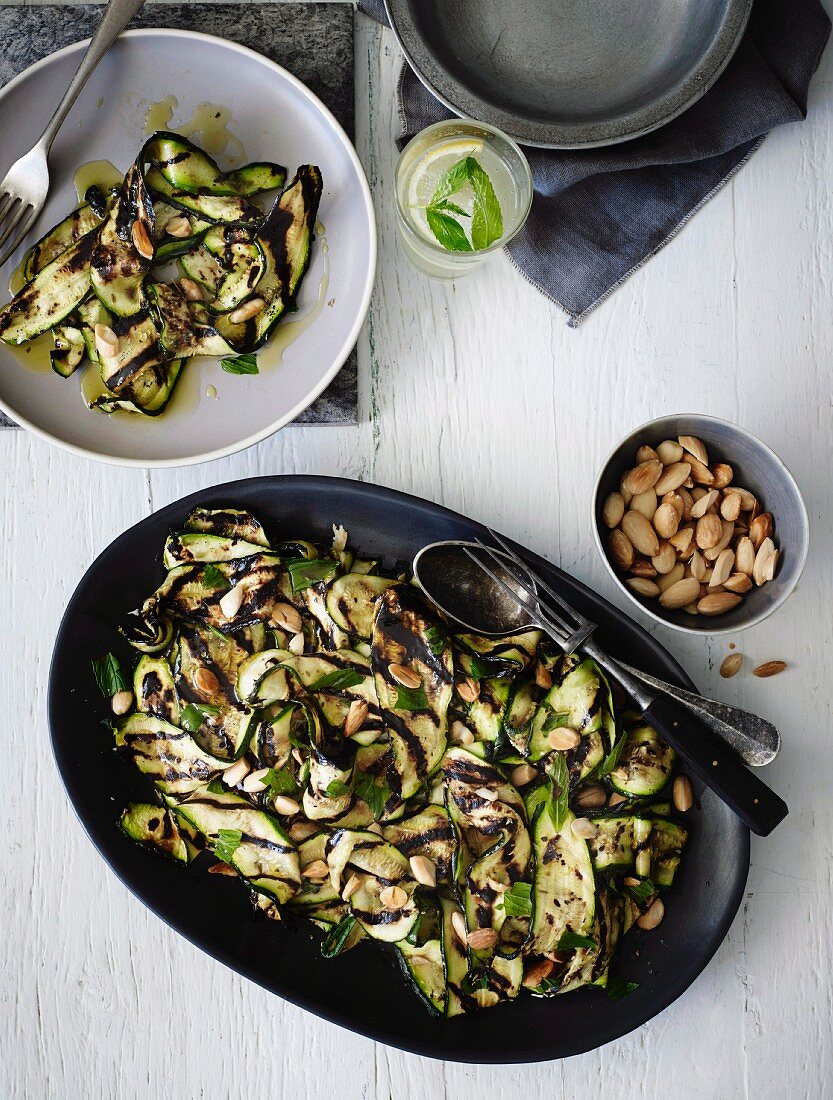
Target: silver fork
[(23, 192)]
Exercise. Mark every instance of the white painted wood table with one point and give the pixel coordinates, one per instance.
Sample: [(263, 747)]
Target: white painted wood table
[(478, 396)]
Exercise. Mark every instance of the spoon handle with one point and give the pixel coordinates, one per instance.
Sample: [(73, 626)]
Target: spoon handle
[(754, 739)]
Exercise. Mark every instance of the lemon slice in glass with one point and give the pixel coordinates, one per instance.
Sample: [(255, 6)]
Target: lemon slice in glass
[(428, 172)]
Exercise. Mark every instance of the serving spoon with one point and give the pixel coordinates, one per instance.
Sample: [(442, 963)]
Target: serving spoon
[(496, 593)]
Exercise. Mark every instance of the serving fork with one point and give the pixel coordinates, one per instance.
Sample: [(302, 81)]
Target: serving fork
[(26, 185), (707, 755)]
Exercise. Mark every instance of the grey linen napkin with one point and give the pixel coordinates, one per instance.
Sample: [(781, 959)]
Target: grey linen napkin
[(599, 214)]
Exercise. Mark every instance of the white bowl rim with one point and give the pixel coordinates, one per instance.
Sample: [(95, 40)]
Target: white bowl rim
[(777, 462), (349, 342)]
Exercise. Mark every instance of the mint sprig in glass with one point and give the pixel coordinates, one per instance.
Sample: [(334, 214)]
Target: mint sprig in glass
[(463, 190)]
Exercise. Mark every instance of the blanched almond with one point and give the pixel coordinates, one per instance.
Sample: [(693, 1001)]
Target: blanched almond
[(141, 239), (718, 603), (583, 827), (682, 540), (641, 533), (467, 689), (121, 702), (723, 474), (681, 593), (666, 559), (646, 503), (667, 520), (205, 681), (682, 794), (254, 781), (731, 665), (613, 510), (669, 452), (481, 939), (393, 897), (296, 644), (458, 923), (695, 447), (286, 617), (748, 503), (643, 568), (672, 477), (523, 774), (302, 830), (222, 869), (563, 739), (486, 794), (404, 675), (285, 805), (543, 677), (738, 582), (461, 734), (246, 311), (769, 668), (643, 587), (106, 341), (697, 565), (350, 887), (673, 498), (712, 553), (232, 601), (688, 502), (652, 916), (191, 290), (676, 574), (700, 473), (730, 507), (236, 772), (424, 870), (645, 454), (356, 714), (722, 568), (537, 973), (591, 797), (705, 502), (745, 556), (642, 477), (708, 531), (760, 528), (621, 549), (764, 569), (178, 227)]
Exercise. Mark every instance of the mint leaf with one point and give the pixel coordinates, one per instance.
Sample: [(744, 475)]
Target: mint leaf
[(335, 940), (337, 789), (486, 216), (280, 781), (227, 843), (436, 639), (642, 892), (570, 940), (558, 802), (193, 716), (452, 181), (556, 721), (612, 758), (452, 206), (303, 572), (338, 680), (109, 675), (375, 792), (214, 577), (240, 364), (411, 698), (617, 988), (517, 901), (448, 232)]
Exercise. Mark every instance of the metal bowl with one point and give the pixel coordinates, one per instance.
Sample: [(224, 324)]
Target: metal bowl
[(572, 74), (756, 468)]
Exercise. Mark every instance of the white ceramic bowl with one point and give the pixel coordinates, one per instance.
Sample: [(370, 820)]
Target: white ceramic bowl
[(275, 117), (756, 468)]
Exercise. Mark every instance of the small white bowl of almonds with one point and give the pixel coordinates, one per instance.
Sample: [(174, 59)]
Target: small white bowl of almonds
[(701, 524)]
